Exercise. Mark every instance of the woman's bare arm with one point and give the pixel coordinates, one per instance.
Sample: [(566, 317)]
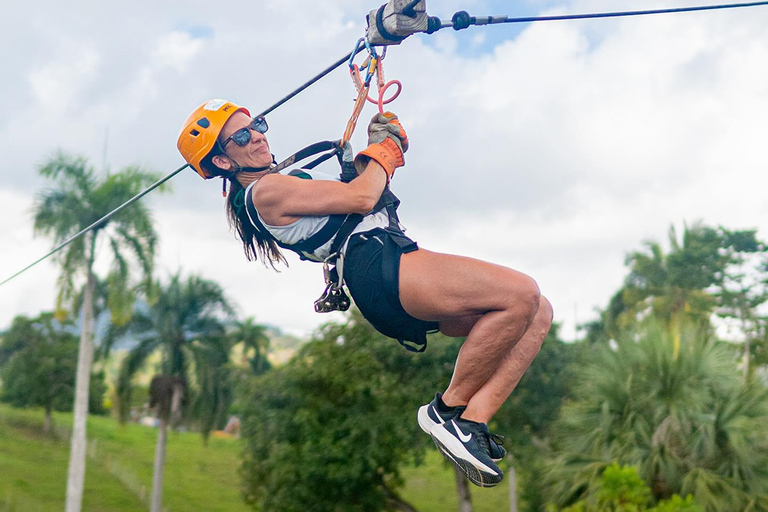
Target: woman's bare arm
[(283, 199)]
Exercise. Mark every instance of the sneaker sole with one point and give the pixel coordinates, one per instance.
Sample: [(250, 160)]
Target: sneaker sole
[(461, 458), (425, 422), (474, 475)]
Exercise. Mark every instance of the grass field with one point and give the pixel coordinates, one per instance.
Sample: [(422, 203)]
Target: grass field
[(33, 468)]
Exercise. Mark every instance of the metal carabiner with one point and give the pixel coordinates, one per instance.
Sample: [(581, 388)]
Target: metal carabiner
[(371, 49), (371, 70), (327, 269), (354, 52)]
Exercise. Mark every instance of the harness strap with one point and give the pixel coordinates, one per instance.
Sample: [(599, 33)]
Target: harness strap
[(390, 274), (304, 153), (339, 227), (317, 161), (306, 246), (345, 230)]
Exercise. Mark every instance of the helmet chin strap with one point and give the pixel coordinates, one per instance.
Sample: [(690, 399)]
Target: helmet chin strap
[(252, 169), (238, 169)]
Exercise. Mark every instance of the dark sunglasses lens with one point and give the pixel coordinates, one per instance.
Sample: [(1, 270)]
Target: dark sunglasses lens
[(241, 137), (259, 124)]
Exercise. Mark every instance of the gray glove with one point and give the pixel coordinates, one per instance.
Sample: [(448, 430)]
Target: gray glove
[(387, 142), (387, 125)]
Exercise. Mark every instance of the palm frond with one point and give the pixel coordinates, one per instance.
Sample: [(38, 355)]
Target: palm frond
[(130, 365)]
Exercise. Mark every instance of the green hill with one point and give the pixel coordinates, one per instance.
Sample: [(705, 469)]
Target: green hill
[(200, 478)]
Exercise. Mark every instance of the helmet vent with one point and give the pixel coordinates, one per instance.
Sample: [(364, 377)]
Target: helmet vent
[(204, 122), (194, 133)]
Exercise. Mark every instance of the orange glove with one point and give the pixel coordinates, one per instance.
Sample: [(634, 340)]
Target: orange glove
[(387, 141)]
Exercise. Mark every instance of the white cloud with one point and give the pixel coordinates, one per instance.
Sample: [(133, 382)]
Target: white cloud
[(175, 50), (556, 153), (33, 291), (57, 84)]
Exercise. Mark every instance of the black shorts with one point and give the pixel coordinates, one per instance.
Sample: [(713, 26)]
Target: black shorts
[(371, 272)]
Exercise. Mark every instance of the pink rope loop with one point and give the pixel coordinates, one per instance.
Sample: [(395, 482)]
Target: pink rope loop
[(382, 90), (380, 101)]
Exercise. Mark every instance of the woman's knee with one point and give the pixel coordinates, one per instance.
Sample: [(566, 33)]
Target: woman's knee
[(523, 296), (546, 311)]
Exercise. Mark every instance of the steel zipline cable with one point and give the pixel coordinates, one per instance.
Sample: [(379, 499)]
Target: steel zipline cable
[(462, 19), (459, 21), (106, 217), (100, 221)]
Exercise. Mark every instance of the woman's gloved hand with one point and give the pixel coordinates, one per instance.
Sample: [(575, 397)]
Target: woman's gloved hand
[(387, 141)]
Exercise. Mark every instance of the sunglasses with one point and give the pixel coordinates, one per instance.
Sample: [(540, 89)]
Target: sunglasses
[(243, 136)]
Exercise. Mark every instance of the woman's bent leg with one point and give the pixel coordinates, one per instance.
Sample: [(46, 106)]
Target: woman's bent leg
[(492, 395), (492, 305)]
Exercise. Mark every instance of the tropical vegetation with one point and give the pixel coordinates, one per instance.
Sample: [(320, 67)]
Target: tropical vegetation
[(80, 197), (659, 408), (186, 324)]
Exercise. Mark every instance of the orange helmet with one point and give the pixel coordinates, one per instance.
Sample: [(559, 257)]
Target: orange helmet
[(201, 129)]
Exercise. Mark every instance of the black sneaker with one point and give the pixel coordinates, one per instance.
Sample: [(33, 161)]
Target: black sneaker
[(436, 413), (466, 444), (496, 450)]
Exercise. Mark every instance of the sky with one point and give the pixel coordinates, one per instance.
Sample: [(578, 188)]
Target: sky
[(553, 148)]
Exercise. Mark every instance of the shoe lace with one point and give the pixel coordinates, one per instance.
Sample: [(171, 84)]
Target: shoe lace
[(496, 438)]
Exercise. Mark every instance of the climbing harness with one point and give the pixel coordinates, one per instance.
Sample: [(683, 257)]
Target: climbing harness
[(339, 227)]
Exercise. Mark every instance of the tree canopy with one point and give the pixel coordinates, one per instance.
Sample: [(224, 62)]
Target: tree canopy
[(329, 430)]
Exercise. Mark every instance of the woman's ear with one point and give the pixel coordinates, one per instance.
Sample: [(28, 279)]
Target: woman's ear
[(222, 162)]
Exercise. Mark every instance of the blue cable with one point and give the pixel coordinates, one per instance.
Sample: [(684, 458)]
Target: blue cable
[(462, 19)]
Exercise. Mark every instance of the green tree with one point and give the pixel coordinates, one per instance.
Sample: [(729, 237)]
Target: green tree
[(744, 290), (682, 416), (680, 285), (255, 342), (620, 489), (40, 368), (527, 416), (79, 198), (186, 323), (329, 430)]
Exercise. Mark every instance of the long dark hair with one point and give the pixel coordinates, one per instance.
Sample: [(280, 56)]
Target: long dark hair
[(256, 245)]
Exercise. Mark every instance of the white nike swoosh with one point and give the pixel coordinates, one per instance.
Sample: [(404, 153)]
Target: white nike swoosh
[(465, 438), (439, 418)]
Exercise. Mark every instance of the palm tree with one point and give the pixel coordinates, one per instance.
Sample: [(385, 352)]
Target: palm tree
[(701, 271), (79, 198), (672, 286), (255, 342), (186, 324), (683, 417)]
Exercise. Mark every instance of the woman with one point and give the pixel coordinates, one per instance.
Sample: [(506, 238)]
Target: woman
[(403, 290)]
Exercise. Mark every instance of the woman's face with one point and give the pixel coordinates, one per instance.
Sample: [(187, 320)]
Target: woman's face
[(256, 153)]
